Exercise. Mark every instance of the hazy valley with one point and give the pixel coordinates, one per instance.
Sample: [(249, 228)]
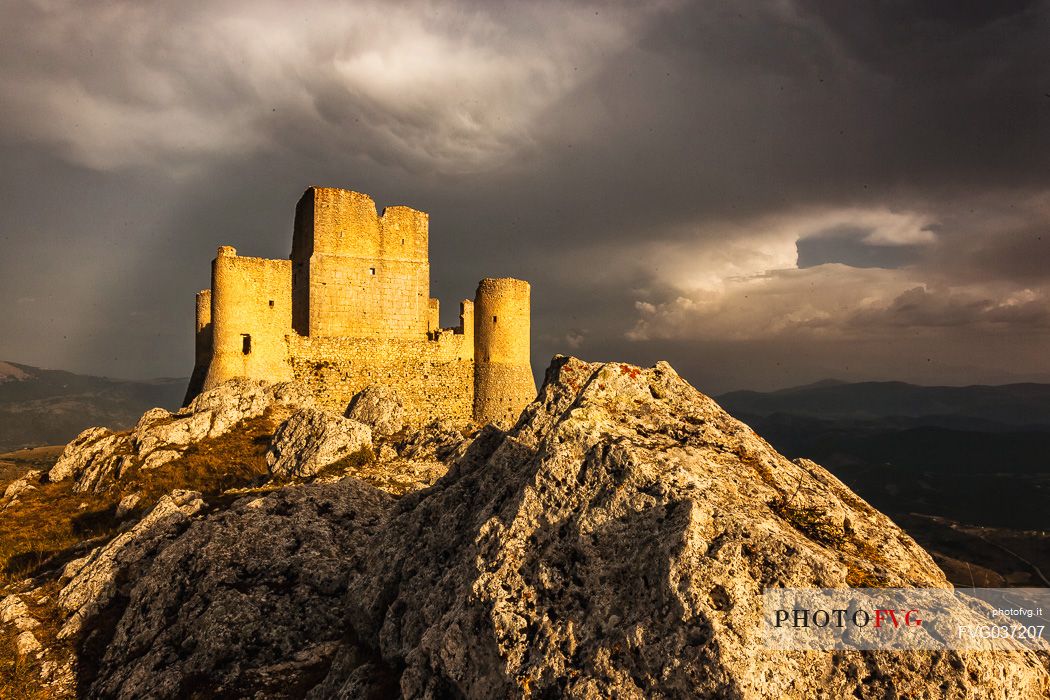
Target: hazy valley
[(49, 407)]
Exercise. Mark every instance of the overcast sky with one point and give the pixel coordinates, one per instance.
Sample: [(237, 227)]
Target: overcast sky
[(763, 193)]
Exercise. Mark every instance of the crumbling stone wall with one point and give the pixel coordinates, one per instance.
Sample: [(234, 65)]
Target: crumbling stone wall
[(433, 377)]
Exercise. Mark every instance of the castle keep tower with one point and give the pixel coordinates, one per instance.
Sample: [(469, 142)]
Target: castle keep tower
[(352, 307), (355, 273)]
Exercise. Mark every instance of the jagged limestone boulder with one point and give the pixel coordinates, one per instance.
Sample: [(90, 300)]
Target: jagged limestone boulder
[(240, 399), (29, 481), (97, 456), (311, 440), (616, 542), (91, 457), (379, 407), (14, 612), (250, 602), (91, 582)]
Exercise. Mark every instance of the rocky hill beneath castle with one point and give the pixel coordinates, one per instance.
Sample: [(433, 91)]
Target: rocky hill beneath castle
[(615, 542)]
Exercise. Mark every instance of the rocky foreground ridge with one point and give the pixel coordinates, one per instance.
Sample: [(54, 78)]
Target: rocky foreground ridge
[(613, 543)]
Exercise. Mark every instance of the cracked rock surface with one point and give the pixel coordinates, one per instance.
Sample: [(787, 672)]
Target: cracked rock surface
[(311, 440), (91, 582), (247, 601), (615, 543)]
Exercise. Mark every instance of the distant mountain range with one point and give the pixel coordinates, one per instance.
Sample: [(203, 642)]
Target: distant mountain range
[(43, 406)]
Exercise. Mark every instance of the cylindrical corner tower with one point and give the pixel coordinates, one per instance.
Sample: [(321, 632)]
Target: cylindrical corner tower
[(503, 381), (251, 313), (225, 364)]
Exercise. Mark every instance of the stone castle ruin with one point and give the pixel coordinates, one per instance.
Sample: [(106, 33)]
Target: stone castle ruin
[(352, 308)]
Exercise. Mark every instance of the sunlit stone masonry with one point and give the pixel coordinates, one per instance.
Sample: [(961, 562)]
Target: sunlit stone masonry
[(351, 307)]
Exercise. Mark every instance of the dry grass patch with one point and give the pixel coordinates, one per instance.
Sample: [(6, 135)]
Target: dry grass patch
[(51, 523), (19, 676), (236, 459), (44, 528)]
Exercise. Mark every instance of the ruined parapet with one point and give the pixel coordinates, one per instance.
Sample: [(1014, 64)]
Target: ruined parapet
[(503, 381), (251, 313), (202, 345), (358, 273)]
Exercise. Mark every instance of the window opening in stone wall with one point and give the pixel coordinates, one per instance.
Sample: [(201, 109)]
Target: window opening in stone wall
[(493, 319), (371, 270), (246, 343), (271, 303)]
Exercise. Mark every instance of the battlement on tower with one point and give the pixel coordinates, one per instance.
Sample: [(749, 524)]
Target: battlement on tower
[(352, 307), (342, 222)]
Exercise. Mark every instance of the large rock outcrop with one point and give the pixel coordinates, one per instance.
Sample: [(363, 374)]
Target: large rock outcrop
[(91, 582), (615, 543), (311, 440), (379, 407)]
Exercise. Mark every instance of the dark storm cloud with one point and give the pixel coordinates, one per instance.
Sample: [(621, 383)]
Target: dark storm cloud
[(652, 170)]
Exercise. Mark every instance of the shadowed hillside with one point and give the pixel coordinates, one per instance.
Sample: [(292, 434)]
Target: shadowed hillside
[(614, 542)]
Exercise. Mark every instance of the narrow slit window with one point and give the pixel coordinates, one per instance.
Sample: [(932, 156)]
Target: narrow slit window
[(493, 319), (246, 343), (371, 270), (271, 303)]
